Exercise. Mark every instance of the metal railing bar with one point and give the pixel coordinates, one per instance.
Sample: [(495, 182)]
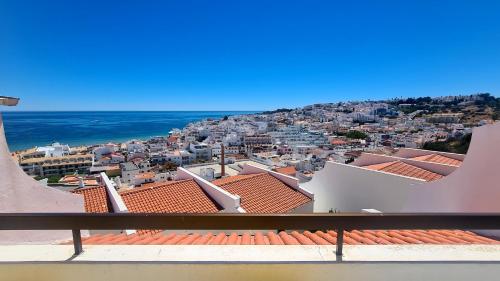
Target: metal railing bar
[(339, 221), (62, 221)]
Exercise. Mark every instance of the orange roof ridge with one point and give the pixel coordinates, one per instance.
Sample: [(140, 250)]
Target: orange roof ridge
[(232, 179), (263, 193), (327, 237), (404, 169), (439, 159), (379, 166), (153, 186), (289, 170), (184, 196)]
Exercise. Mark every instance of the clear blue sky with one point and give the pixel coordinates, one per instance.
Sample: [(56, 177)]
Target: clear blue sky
[(243, 55)]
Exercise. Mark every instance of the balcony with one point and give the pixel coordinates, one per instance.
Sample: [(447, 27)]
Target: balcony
[(64, 260), (319, 246)]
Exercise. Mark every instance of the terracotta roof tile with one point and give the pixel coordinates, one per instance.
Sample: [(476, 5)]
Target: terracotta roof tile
[(231, 179), (95, 198), (170, 197), (355, 237), (404, 169), (263, 193), (290, 170), (440, 159)]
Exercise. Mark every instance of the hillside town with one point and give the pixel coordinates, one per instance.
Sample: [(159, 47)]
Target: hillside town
[(297, 142)]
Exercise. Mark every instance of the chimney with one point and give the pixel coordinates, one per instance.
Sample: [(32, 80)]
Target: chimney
[(81, 184), (222, 162)]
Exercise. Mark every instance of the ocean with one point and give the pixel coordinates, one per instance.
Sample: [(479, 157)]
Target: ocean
[(28, 129)]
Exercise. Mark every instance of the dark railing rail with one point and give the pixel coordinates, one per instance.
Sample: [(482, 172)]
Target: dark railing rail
[(316, 221)]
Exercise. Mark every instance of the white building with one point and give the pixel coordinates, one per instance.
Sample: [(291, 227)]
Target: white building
[(129, 170), (54, 150), (415, 180), (201, 151)]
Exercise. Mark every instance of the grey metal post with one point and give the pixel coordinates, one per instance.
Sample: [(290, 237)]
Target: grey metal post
[(340, 243), (77, 241)]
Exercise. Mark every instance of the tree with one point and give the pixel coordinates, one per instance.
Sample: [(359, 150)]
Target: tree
[(53, 179), (169, 166), (356, 135)]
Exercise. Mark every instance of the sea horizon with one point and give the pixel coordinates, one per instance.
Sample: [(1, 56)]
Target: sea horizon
[(27, 129)]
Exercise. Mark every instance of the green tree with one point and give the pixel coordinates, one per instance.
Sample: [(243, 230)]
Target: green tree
[(356, 135)]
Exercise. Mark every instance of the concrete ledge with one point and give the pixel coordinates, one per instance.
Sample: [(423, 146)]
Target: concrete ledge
[(243, 272), (250, 253)]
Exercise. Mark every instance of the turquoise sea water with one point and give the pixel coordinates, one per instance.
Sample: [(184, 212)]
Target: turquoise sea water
[(27, 129)]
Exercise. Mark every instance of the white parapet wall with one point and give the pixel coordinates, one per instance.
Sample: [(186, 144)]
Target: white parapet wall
[(113, 195), (347, 188), (20, 193), (472, 187), (116, 200), (228, 201)]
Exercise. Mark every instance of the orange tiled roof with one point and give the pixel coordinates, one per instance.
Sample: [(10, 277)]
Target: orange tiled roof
[(290, 170), (404, 169), (231, 179), (263, 193), (440, 159), (355, 237), (147, 175), (184, 196), (95, 198)]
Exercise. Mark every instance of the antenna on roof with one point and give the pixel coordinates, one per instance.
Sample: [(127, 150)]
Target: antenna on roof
[(222, 162)]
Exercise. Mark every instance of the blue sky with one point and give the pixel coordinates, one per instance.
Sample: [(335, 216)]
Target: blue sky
[(243, 55)]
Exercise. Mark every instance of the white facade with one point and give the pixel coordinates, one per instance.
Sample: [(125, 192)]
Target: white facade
[(54, 150), (472, 187)]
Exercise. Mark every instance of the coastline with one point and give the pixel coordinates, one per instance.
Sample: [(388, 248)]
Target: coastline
[(27, 129)]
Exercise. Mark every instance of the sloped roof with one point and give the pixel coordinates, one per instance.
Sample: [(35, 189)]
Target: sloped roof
[(355, 237), (263, 193), (405, 169), (290, 171), (184, 196), (95, 199), (440, 159)]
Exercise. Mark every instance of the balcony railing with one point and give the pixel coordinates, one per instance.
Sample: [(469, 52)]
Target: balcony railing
[(319, 221)]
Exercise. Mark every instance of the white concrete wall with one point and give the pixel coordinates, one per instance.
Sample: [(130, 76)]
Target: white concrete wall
[(304, 209), (349, 188), (114, 197), (473, 187), (212, 262), (19, 193)]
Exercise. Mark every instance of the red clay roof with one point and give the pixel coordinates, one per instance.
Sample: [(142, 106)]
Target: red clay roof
[(290, 170), (440, 159), (95, 198), (404, 169), (355, 237), (147, 175), (184, 196), (263, 193), (231, 179)]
